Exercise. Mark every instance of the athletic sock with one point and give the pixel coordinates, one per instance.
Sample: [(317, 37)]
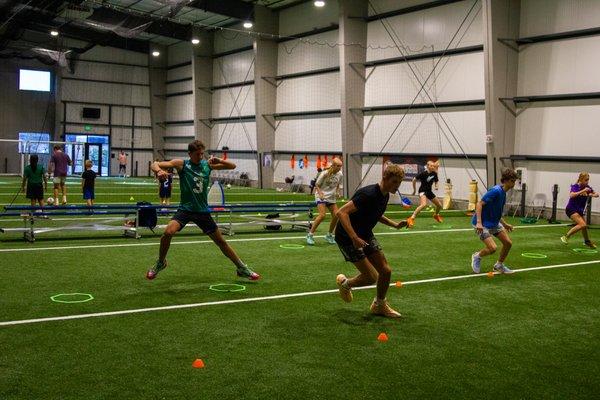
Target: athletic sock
[(240, 264)]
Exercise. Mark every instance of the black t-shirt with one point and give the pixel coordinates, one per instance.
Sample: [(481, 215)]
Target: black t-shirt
[(370, 205), (88, 177), (426, 178)]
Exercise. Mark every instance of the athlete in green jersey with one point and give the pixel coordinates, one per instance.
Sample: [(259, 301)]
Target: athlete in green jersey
[(194, 176)]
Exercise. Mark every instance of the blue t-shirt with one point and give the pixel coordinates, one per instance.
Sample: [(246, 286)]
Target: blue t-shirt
[(491, 213)]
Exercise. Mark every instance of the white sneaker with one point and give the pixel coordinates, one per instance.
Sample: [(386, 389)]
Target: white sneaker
[(476, 263), (310, 239), (564, 239), (503, 269)]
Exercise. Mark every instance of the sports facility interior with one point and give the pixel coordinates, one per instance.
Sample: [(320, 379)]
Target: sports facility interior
[(280, 93)]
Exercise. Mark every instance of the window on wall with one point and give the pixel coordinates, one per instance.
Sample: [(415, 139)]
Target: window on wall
[(38, 81), (34, 142)]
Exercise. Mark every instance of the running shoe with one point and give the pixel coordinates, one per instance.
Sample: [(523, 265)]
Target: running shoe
[(590, 244), (245, 272), (383, 308), (329, 238), (476, 263), (410, 222), (564, 239), (345, 291), (438, 218), (159, 266), (310, 239), (503, 269)]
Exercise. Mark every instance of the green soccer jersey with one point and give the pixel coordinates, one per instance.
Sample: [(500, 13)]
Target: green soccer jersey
[(193, 181), (36, 176)]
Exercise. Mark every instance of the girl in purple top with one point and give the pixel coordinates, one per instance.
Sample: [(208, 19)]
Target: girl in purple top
[(580, 192)]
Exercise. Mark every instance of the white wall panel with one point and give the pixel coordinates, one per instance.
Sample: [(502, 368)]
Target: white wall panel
[(421, 29), (420, 133), (180, 108), (381, 6), (306, 17), (180, 130), (317, 92), (566, 131), (540, 17), (122, 115), (237, 67), (109, 72), (309, 53), (142, 138), (244, 163), (223, 102), (236, 136), (323, 134), (121, 137), (142, 117), (567, 66), (143, 158), (180, 53), (105, 93), (180, 86), (180, 72), (455, 78), (101, 53)]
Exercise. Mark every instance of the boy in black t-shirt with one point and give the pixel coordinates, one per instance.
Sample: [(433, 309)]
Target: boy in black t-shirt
[(354, 236), (87, 183), (428, 178)]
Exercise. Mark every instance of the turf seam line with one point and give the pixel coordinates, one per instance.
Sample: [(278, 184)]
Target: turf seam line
[(103, 246), (273, 297)]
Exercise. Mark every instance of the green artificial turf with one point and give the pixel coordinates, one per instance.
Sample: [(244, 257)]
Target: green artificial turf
[(533, 334)]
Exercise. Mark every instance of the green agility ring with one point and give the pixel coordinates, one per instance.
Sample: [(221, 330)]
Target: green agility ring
[(291, 246), (534, 255), (583, 250), (227, 287), (85, 297)]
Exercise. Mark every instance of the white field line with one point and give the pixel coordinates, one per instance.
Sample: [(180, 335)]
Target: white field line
[(266, 298), (257, 239)]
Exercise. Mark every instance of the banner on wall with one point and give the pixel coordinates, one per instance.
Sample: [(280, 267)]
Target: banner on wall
[(412, 165), (267, 159)]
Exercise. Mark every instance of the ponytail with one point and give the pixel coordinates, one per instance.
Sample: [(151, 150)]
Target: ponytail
[(33, 162)]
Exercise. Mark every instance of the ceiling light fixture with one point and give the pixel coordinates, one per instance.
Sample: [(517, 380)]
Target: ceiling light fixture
[(195, 41), (53, 33), (319, 3), (248, 24), (156, 53)]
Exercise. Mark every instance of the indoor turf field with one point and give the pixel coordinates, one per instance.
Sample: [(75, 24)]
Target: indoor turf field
[(530, 335)]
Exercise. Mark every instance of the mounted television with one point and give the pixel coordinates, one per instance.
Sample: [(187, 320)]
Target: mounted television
[(91, 113)]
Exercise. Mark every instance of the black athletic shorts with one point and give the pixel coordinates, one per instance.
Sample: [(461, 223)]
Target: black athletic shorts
[(203, 220), (571, 211), (353, 254), (429, 194), (35, 191)]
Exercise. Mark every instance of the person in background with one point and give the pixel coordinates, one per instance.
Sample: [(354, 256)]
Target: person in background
[(88, 179), (59, 162), (580, 191), (122, 164), (327, 188), (33, 176), (165, 188)]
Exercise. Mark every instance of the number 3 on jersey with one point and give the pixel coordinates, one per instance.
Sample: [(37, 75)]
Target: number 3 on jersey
[(198, 186)]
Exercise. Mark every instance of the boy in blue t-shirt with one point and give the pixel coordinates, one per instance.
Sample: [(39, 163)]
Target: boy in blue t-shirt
[(488, 222)]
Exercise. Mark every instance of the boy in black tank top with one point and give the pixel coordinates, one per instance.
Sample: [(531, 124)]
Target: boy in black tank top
[(428, 178), (354, 236)]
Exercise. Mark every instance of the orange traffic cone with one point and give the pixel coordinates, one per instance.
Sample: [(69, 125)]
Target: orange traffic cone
[(382, 337), (490, 274), (398, 284), (198, 363)]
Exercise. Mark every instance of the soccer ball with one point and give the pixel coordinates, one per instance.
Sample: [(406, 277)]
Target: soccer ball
[(229, 186), (50, 201)]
